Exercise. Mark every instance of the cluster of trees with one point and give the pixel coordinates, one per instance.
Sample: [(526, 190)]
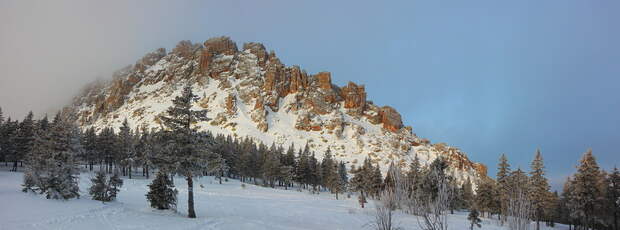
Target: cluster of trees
[(589, 199)]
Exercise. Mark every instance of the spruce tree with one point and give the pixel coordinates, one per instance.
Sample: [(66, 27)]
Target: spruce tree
[(62, 171), (486, 198), (503, 185), (587, 189), (613, 196), (23, 140), (538, 189), (126, 148), (328, 171), (114, 185), (162, 194), (99, 188), (187, 152)]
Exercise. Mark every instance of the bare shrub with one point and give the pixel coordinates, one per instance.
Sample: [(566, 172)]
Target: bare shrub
[(519, 209), (433, 211)]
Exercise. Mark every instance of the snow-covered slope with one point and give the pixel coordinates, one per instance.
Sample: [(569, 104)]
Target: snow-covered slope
[(226, 206), (249, 92)]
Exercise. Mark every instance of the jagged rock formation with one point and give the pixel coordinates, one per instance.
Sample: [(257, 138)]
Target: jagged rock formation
[(249, 92)]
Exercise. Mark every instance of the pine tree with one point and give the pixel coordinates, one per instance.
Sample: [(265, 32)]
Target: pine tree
[(503, 187), (114, 185), (8, 140), (613, 196), (23, 140), (587, 189), (474, 219), (187, 152), (162, 194), (538, 189), (376, 181), (413, 176), (328, 171), (467, 194), (126, 148), (486, 198), (54, 162), (90, 147), (271, 168), (99, 188)]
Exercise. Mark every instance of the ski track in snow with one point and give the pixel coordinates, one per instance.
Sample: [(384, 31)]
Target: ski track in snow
[(226, 206)]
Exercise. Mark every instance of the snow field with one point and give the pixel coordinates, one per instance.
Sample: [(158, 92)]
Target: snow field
[(226, 206)]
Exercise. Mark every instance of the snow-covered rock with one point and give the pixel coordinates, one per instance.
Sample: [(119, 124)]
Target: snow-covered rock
[(251, 93)]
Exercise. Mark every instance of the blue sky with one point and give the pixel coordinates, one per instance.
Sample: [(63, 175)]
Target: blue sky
[(489, 77)]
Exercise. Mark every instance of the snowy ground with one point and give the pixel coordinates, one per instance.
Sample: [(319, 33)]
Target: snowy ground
[(226, 206)]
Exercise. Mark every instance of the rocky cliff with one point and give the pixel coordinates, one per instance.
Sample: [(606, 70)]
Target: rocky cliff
[(250, 92)]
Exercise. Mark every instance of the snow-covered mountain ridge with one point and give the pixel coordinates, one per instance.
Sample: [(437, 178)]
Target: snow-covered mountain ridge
[(249, 92)]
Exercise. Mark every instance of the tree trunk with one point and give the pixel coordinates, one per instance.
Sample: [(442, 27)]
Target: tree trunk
[(130, 172), (537, 224), (190, 198), (147, 171)]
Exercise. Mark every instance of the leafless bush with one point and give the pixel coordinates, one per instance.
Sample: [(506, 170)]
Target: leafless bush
[(433, 211), (384, 211), (519, 209)]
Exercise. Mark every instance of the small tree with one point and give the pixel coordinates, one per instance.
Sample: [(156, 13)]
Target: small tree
[(104, 189), (99, 188), (162, 194), (474, 219), (114, 184)]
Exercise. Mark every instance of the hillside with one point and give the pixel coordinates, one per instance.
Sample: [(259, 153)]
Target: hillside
[(250, 92)]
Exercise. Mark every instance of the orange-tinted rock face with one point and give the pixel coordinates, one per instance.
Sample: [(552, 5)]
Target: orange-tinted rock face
[(298, 79), (391, 119), (259, 50), (231, 108), (354, 96), (216, 46), (325, 80), (481, 169)]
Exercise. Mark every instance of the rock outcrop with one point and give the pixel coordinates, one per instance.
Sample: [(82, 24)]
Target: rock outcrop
[(250, 92)]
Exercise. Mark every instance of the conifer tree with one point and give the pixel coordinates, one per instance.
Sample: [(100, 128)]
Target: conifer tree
[(474, 219), (486, 198), (376, 181), (328, 171), (114, 185), (538, 189), (99, 188), (90, 147), (271, 168), (162, 194), (59, 177), (613, 196), (187, 152), (587, 189), (503, 185), (126, 148), (23, 140)]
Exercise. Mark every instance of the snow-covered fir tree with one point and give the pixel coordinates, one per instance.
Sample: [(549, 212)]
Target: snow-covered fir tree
[(185, 153), (538, 189), (162, 194), (103, 188), (52, 168)]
